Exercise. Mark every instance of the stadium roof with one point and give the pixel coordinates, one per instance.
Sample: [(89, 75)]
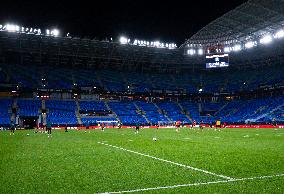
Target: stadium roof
[(248, 21)]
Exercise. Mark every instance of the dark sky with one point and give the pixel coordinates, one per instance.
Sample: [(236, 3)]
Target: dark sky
[(167, 21)]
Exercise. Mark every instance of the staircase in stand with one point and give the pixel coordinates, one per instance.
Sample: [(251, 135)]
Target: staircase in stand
[(184, 111), (14, 106), (141, 112), (109, 109), (161, 112), (77, 112), (216, 113)]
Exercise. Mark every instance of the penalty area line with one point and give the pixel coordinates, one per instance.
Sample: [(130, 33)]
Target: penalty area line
[(195, 184), (168, 161)]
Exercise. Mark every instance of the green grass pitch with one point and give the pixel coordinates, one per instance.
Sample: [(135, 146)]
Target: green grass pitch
[(74, 161)]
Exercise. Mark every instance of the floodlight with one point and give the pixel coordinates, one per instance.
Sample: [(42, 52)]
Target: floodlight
[(47, 32), (200, 51), (226, 50), (279, 34), (266, 39), (55, 32), (191, 51), (237, 47), (11, 28), (123, 40), (17, 28), (250, 44)]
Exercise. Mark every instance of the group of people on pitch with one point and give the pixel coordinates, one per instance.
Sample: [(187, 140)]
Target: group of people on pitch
[(47, 127)]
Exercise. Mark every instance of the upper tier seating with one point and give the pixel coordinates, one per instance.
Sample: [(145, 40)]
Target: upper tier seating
[(225, 80)]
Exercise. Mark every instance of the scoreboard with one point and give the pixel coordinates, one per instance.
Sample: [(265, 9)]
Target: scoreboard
[(217, 60)]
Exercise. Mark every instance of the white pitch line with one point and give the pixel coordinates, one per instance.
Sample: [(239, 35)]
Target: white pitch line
[(194, 184), (171, 162)]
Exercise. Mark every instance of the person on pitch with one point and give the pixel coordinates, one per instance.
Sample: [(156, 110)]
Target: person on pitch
[(137, 127), (12, 128)]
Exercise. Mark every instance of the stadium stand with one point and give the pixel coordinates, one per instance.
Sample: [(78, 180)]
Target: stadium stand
[(29, 107), (173, 111), (5, 116), (97, 108), (127, 113), (152, 112), (61, 112), (116, 81)]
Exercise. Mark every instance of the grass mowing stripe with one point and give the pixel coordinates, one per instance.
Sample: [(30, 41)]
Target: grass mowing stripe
[(193, 184), (171, 162)]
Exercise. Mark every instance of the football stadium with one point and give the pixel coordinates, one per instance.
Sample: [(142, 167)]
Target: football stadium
[(127, 115)]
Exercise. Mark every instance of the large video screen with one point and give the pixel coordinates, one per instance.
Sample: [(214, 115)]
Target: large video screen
[(217, 60)]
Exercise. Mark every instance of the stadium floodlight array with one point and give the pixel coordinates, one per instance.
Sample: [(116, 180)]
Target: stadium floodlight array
[(157, 44), (237, 47), (250, 44), (266, 39), (200, 51), (24, 30), (279, 34), (191, 52)]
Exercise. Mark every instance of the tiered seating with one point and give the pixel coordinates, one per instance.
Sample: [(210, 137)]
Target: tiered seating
[(239, 111), (61, 112), (272, 111), (192, 109), (151, 112), (113, 81), (138, 82), (276, 116), (127, 113), (26, 76), (29, 107), (5, 105), (226, 80), (210, 107), (94, 106), (173, 111)]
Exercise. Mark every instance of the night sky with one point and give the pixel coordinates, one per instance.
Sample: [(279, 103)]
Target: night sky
[(172, 21)]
